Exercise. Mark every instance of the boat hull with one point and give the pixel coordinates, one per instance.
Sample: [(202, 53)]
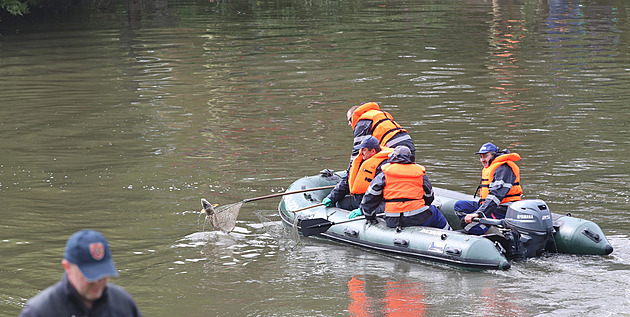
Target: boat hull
[(572, 235), (421, 243)]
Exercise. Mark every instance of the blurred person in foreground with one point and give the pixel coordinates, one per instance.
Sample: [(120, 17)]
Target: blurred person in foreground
[(84, 289)]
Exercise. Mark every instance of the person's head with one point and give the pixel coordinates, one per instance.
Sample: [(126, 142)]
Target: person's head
[(368, 147), (401, 153), (487, 153), (88, 263), (349, 114)]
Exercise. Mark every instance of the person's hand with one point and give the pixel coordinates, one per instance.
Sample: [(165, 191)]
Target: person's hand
[(327, 202), (355, 213), (469, 217)]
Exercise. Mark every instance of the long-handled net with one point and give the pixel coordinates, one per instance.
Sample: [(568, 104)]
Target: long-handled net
[(224, 217)]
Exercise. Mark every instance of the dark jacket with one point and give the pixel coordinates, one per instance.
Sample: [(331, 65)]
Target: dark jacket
[(373, 198), (362, 130), (62, 300)]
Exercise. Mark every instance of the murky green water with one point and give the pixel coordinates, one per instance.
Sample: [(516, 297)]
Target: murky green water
[(122, 118)]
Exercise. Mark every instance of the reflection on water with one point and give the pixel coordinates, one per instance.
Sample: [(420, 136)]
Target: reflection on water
[(120, 118), (397, 298), (246, 243), (494, 302)]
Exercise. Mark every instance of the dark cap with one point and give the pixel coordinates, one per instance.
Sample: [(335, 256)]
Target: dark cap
[(89, 250), (370, 142), (488, 147), (400, 150)]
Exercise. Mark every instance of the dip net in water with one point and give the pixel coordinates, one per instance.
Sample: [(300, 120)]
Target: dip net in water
[(224, 217)]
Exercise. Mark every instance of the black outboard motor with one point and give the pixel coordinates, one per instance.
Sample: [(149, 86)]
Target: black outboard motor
[(534, 224)]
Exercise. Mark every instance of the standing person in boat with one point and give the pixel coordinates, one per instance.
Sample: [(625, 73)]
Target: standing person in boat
[(360, 173), (369, 120), (405, 190), (500, 186), (84, 289)]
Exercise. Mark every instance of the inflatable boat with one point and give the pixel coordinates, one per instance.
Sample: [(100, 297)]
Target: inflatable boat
[(528, 230)]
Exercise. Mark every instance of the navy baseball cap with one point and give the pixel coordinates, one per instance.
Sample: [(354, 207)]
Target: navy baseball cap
[(488, 147), (370, 143), (89, 250)]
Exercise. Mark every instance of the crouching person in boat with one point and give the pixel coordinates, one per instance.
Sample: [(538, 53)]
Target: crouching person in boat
[(500, 187), (405, 190), (361, 171), (369, 120)]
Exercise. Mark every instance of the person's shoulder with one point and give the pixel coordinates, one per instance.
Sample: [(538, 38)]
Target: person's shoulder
[(504, 170), (121, 300), (47, 300), (28, 311), (363, 124)]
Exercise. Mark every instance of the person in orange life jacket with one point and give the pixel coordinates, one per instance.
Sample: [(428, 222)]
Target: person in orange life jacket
[(360, 173), (369, 120), (406, 193), (500, 187)]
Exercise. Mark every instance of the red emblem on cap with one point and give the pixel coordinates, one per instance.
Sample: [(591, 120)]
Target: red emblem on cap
[(97, 250)]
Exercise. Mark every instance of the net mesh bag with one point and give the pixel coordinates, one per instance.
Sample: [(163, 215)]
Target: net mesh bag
[(224, 217)]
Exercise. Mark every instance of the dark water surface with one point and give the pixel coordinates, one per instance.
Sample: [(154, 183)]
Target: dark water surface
[(122, 118)]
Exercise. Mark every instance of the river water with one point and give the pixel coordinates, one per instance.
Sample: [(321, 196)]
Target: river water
[(121, 118)]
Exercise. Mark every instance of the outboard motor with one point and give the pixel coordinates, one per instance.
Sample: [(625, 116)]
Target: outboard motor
[(534, 224)]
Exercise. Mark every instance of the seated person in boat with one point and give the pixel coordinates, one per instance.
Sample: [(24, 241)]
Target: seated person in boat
[(406, 192), (369, 120), (360, 173), (500, 187)]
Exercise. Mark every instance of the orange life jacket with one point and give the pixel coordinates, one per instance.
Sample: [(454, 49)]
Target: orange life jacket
[(383, 125), (362, 172), (403, 187), (487, 175)]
